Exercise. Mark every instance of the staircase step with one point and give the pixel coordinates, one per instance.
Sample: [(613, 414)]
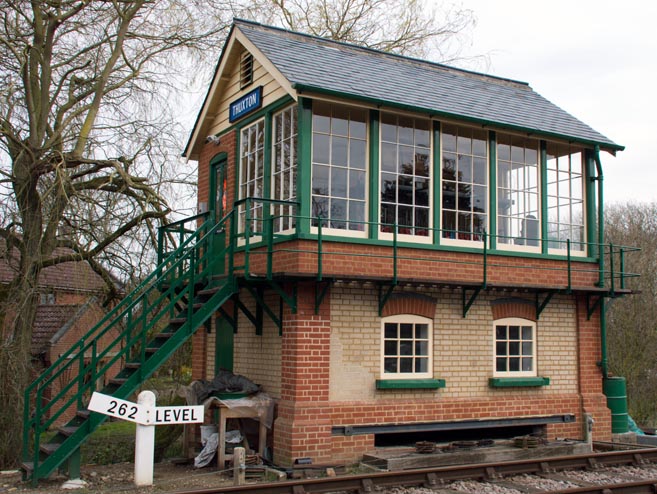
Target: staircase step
[(132, 365), (164, 335), (27, 466), (178, 321), (68, 430), (118, 381), (49, 448), (83, 414)]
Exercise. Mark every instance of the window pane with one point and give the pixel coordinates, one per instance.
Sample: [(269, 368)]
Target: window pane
[(421, 331), (527, 364), (339, 151), (526, 332), (321, 180), (500, 348), (406, 331), (514, 332), (391, 348), (527, 348), (500, 332), (390, 330), (357, 154), (405, 365), (514, 364), (421, 365), (405, 347), (421, 348), (338, 182), (514, 348), (390, 365), (500, 364)]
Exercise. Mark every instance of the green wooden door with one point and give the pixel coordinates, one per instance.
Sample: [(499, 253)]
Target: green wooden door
[(218, 208), (224, 346)]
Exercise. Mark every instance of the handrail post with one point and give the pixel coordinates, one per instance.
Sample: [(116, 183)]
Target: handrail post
[(569, 265), (320, 253), (485, 281), (394, 254), (190, 286), (80, 372), (612, 274), (247, 234), (621, 253), (270, 244)]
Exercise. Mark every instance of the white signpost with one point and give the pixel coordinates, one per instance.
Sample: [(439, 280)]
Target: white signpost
[(146, 415)]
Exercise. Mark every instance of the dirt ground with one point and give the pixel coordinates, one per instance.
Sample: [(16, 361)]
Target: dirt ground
[(119, 478)]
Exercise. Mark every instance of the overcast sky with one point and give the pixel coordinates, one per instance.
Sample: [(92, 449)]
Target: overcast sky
[(595, 59)]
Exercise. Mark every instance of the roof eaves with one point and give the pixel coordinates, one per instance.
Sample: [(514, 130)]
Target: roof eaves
[(606, 146), (194, 134)]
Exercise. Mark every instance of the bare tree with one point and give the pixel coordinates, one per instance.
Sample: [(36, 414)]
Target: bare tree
[(86, 129), (407, 27), (632, 320)]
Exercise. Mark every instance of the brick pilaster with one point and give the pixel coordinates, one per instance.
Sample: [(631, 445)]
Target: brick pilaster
[(303, 426)]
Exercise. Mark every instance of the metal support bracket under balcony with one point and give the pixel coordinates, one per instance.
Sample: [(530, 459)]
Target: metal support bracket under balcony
[(540, 306), (290, 300), (468, 303), (383, 297), (321, 289), (590, 309), (245, 310), (258, 295)]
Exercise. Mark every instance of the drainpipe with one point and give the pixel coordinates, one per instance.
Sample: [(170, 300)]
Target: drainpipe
[(601, 238)]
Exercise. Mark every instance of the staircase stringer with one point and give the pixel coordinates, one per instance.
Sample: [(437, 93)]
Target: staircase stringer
[(183, 333)]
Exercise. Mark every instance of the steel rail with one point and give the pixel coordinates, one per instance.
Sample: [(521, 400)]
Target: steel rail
[(639, 487), (438, 476)]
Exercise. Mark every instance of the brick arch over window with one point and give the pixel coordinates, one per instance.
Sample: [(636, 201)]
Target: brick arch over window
[(513, 307), (410, 303)]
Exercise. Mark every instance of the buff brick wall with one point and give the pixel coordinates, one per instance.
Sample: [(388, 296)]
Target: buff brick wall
[(258, 357), (462, 347)]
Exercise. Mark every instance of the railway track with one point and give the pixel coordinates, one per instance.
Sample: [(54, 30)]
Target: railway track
[(633, 471)]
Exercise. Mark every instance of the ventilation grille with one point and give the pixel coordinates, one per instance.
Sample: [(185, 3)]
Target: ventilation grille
[(246, 70)]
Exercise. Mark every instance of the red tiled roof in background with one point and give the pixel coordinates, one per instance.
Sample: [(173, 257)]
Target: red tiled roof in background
[(49, 320), (74, 276)]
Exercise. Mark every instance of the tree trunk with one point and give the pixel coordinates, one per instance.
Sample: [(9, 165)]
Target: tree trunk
[(15, 369)]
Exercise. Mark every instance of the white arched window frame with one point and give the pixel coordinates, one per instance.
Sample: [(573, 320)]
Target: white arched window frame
[(514, 348), (406, 347)]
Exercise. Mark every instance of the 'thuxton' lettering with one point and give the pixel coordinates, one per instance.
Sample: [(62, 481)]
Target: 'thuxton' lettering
[(246, 104)]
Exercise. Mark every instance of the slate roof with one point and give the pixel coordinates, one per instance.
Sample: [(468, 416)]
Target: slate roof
[(316, 64)]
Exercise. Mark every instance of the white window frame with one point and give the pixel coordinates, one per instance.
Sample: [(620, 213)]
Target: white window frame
[(342, 232), (288, 142), (458, 241), (519, 243), (251, 177), (424, 239), (407, 319), (515, 321), (553, 192)]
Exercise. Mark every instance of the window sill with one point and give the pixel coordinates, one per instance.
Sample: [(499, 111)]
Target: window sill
[(410, 383), (518, 382)]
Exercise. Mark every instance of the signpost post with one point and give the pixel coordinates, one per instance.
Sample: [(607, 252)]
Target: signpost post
[(146, 415)]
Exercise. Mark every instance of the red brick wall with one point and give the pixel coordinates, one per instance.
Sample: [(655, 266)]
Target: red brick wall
[(344, 259), (303, 426)]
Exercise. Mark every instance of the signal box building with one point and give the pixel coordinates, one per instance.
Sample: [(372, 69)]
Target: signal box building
[(416, 249)]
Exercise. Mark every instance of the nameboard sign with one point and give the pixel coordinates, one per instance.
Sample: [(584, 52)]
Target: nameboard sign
[(248, 103)]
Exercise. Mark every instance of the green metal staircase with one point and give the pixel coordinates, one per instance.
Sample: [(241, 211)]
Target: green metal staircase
[(128, 345)]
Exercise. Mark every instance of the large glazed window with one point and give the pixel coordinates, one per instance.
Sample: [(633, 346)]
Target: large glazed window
[(339, 156), (518, 199), (405, 175), (565, 204), (252, 167), (515, 348), (464, 183), (406, 347), (284, 168)]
